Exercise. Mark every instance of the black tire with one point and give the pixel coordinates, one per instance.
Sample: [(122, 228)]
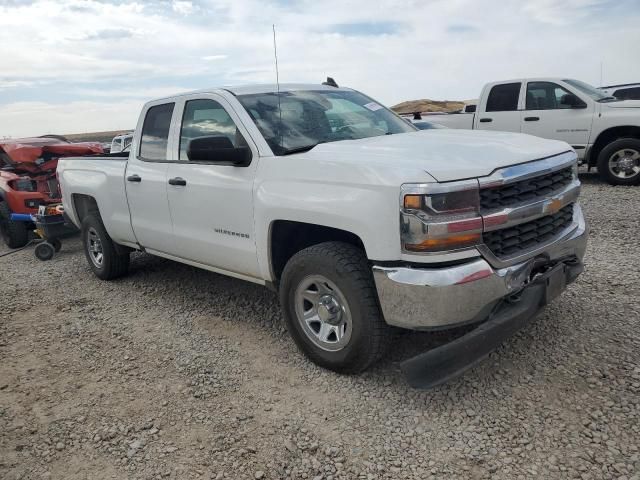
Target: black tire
[(44, 251), (627, 144), (14, 234), (347, 268), (112, 264)]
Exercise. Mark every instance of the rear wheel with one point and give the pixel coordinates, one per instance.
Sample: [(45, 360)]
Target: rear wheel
[(619, 162), (101, 251), (331, 307), (14, 234)]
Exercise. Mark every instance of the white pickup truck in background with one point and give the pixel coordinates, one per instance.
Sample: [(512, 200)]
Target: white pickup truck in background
[(360, 221), (603, 130)]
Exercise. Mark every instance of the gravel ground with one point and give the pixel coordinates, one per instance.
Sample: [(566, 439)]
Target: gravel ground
[(178, 373)]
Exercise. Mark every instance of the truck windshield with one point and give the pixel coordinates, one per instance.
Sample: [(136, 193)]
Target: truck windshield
[(593, 92), (300, 120)]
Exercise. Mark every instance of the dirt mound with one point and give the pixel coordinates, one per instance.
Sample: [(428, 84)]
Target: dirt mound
[(426, 105)]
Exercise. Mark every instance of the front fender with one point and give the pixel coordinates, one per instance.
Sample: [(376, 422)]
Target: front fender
[(369, 212)]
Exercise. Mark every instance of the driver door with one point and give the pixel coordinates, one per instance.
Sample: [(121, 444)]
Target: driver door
[(211, 204), (546, 116)]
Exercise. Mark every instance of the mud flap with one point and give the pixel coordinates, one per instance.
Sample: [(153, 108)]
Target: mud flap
[(449, 361)]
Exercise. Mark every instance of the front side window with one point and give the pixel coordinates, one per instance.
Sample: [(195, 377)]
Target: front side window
[(296, 121), (155, 132), (504, 98), (627, 93), (545, 96), (207, 118)]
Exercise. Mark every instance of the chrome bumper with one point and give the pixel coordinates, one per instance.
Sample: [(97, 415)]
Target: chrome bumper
[(437, 298)]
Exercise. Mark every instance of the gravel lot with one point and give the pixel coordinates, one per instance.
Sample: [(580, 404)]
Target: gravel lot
[(178, 373)]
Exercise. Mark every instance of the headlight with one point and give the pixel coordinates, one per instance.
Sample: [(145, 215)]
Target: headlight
[(440, 217), (24, 184)]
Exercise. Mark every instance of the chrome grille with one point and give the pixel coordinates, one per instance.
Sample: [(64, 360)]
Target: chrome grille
[(529, 235), (528, 190)]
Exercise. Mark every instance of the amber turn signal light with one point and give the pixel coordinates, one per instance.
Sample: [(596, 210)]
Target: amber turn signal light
[(446, 243), (413, 202)]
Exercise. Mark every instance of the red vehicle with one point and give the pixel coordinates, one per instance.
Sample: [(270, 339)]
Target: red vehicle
[(28, 179)]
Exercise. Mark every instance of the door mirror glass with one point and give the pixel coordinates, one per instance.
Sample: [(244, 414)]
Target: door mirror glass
[(470, 108), (218, 149), (572, 101)]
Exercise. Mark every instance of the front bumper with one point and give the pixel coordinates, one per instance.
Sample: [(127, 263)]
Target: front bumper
[(438, 298)]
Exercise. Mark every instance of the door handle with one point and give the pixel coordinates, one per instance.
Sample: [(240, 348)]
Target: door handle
[(134, 178), (485, 120), (181, 182), (531, 119)]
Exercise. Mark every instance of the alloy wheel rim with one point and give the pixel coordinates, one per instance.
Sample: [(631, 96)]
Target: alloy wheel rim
[(323, 313), (625, 163), (94, 246)]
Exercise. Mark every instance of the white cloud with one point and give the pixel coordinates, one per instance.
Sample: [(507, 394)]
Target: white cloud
[(14, 83), (182, 7), (214, 57), (130, 50), (143, 94)]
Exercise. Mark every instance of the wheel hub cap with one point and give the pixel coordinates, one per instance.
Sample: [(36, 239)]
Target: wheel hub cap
[(329, 310), (626, 163)]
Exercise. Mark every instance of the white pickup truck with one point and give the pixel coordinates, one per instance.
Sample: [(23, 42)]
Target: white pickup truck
[(603, 130), (360, 221)]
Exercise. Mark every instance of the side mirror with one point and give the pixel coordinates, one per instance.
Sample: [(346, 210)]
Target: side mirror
[(470, 108), (572, 100), (218, 149)]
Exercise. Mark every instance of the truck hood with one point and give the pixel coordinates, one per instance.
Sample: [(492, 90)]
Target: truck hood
[(623, 104), (36, 155), (444, 154)]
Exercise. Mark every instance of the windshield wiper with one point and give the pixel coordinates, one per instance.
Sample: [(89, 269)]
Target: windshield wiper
[(607, 99), (305, 148)]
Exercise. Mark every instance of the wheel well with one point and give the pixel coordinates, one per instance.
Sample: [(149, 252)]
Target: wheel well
[(84, 205), (608, 136), (287, 238)]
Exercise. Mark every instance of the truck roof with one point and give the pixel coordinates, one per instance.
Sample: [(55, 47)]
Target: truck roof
[(531, 79), (261, 88)]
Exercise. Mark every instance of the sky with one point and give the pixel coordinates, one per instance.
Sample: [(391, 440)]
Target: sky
[(71, 66)]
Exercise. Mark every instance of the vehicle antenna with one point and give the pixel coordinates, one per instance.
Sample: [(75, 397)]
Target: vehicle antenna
[(275, 54)]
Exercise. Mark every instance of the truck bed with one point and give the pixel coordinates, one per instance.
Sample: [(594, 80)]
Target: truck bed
[(452, 120), (100, 177)]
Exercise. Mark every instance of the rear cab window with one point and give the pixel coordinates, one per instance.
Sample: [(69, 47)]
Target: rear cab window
[(155, 132), (504, 97)]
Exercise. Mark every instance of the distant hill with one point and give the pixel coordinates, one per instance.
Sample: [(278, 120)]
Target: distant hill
[(95, 136), (426, 105)]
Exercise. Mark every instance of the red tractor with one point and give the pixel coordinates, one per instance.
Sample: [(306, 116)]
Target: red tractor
[(28, 179)]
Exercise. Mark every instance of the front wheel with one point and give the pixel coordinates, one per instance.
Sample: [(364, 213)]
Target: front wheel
[(619, 162), (100, 250), (331, 307)]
